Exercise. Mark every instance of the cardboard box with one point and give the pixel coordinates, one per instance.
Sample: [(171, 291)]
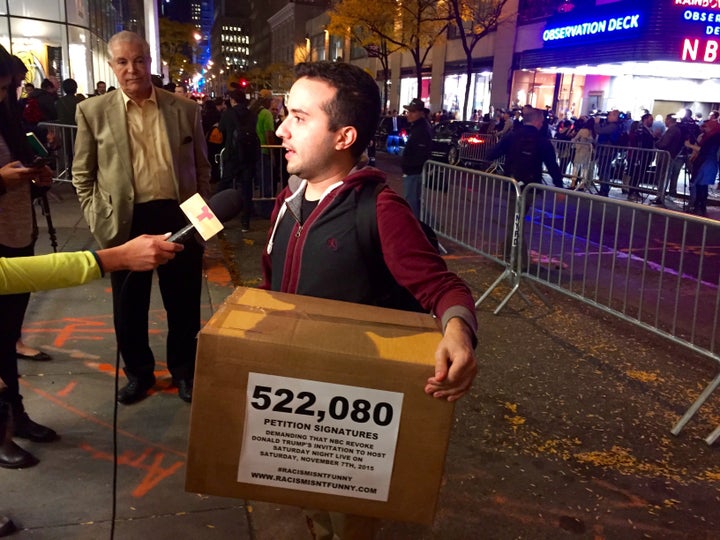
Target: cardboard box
[(318, 403)]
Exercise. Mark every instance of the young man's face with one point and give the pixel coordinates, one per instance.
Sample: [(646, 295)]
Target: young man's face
[(309, 144)]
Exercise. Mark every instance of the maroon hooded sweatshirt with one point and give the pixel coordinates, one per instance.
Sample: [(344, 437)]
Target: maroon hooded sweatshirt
[(322, 256)]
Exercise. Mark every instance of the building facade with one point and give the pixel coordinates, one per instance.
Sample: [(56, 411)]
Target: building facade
[(571, 57), (660, 56), (60, 39)]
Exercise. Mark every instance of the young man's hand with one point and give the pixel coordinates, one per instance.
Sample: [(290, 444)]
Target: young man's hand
[(455, 364)]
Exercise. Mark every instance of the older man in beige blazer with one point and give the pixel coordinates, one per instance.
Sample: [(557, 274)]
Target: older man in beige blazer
[(139, 153)]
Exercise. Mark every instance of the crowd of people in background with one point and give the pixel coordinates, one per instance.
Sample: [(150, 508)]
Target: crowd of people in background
[(56, 102), (691, 140)]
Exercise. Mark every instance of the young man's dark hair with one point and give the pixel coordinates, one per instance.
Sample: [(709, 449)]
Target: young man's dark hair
[(69, 86), (238, 96), (356, 103)]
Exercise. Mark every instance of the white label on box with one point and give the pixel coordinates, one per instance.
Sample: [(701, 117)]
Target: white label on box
[(320, 437)]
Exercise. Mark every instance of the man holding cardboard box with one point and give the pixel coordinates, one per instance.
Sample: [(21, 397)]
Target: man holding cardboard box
[(314, 246)]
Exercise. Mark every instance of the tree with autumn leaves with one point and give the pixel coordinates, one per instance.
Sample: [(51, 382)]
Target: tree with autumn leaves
[(176, 44), (383, 27), (387, 26)]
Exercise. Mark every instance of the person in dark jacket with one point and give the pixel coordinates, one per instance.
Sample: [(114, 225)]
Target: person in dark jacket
[(46, 97), (704, 165), (313, 245), (416, 153), (239, 158), (526, 149), (673, 143), (642, 136), (66, 105), (608, 136)]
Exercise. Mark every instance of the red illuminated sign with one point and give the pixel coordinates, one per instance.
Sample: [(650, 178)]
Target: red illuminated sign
[(699, 50), (700, 19)]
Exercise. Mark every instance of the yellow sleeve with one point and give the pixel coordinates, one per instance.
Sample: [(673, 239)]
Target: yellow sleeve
[(42, 272)]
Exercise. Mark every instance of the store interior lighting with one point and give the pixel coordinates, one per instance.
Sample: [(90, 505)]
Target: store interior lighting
[(674, 70)]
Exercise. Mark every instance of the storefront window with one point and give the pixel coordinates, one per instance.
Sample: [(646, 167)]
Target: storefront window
[(336, 48), (100, 68), (535, 88), (80, 66), (454, 94), (4, 35), (40, 45), (408, 91), (77, 12), (40, 9), (318, 47)]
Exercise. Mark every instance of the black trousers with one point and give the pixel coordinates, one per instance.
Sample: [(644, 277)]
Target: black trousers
[(240, 176), (12, 313), (180, 283)]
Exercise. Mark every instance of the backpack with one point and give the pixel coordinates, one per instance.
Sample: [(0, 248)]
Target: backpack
[(215, 136), (523, 159), (392, 294), (245, 141), (32, 114)]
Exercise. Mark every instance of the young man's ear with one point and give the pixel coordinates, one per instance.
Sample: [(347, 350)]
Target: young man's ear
[(345, 138)]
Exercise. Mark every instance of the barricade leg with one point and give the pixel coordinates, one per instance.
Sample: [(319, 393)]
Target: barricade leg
[(709, 389), (713, 436)]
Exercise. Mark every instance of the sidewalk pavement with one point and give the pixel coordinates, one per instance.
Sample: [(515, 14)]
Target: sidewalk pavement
[(565, 433)]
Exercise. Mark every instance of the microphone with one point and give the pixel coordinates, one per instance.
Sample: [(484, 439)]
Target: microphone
[(225, 205)]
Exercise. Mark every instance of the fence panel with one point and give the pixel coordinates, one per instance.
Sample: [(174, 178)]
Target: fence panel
[(475, 147), (59, 140), (652, 267), (639, 172), (475, 209)]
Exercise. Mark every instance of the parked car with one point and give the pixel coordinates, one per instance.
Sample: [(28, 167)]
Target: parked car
[(447, 136), (391, 134)]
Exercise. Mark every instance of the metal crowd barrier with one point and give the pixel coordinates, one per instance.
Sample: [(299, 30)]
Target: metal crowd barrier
[(475, 209), (273, 175), (475, 147), (270, 172), (652, 267), (59, 140), (637, 171), (468, 207)]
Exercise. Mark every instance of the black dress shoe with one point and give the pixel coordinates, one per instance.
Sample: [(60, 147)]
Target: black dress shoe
[(6, 526), (185, 388), (39, 357), (14, 457), (27, 429), (135, 390)]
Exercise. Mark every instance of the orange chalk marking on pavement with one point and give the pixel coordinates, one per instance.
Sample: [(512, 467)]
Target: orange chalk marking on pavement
[(87, 329), (68, 389), (95, 420), (155, 471)]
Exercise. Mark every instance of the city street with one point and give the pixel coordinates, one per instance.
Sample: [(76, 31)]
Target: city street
[(565, 433)]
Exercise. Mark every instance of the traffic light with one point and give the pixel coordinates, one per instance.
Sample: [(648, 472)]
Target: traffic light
[(243, 83)]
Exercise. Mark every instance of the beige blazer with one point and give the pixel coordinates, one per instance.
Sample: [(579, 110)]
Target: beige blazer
[(102, 164)]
